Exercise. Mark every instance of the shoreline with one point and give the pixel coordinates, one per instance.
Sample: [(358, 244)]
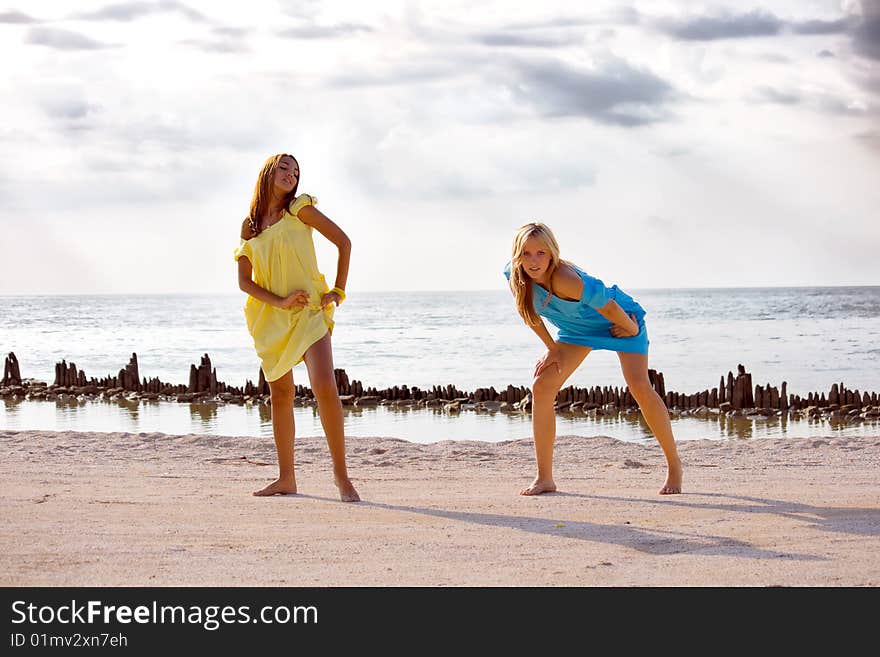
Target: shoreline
[(851, 413), (735, 397), (117, 509), (417, 424)]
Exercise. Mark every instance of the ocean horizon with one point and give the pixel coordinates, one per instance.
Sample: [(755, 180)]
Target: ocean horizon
[(469, 339)]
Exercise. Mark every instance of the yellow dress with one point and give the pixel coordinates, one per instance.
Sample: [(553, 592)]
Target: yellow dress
[(283, 261)]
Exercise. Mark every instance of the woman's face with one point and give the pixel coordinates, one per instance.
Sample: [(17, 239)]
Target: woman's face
[(286, 174), (535, 258)]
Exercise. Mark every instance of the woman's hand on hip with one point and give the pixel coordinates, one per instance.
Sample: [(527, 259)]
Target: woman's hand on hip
[(299, 299), (330, 297), (625, 331), (550, 359)]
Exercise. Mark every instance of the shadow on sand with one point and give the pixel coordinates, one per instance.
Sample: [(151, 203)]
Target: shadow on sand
[(650, 541), (848, 520)]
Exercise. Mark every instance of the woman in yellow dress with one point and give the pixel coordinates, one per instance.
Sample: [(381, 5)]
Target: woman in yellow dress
[(289, 310)]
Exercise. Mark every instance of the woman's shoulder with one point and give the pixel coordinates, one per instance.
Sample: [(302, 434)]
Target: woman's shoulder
[(301, 201), (568, 274), (565, 284), (247, 230)]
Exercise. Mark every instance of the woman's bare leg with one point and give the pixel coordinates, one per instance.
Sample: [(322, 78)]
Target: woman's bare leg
[(545, 387), (281, 400), (635, 372), (319, 361)]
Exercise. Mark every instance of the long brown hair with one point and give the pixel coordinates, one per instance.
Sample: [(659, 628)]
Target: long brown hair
[(520, 282), (263, 189)]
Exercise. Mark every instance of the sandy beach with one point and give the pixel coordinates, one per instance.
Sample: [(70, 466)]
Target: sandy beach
[(114, 509)]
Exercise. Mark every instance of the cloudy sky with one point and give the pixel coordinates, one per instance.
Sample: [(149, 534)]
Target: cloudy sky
[(668, 144)]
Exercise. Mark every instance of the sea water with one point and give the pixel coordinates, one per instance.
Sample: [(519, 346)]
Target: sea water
[(809, 337)]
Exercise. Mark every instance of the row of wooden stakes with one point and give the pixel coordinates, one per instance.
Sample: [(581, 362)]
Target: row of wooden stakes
[(733, 392)]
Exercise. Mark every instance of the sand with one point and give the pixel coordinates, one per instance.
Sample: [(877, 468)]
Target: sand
[(114, 509)]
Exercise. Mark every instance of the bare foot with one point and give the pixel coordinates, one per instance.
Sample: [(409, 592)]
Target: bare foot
[(347, 493), (278, 487), (673, 481), (539, 486)]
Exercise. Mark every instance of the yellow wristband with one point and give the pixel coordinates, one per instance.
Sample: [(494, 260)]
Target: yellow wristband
[(340, 292)]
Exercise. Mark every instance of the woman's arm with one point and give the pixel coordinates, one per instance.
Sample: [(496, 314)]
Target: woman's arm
[(541, 331), (551, 357), (624, 326), (298, 299), (312, 216)]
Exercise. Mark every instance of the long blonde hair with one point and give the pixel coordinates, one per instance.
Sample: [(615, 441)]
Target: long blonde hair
[(263, 189), (520, 282)]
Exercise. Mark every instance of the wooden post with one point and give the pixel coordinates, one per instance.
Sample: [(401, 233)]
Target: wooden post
[(11, 373)]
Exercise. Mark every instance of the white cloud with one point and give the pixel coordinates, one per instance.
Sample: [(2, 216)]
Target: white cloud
[(431, 130), (63, 39)]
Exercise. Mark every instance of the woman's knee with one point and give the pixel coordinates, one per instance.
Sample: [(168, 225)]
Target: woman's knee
[(281, 392), (640, 388), (545, 386)]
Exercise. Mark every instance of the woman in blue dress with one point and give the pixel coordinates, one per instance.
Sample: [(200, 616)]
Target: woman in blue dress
[(589, 316)]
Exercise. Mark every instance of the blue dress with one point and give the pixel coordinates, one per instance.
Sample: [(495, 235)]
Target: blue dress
[(580, 323)]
